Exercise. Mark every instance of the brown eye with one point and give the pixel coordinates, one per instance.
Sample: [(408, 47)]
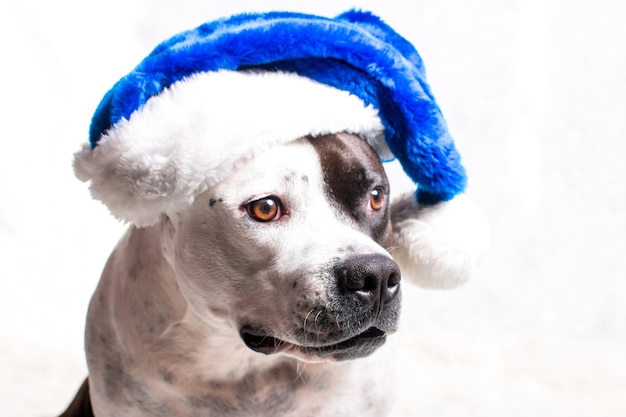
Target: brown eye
[(377, 199), (264, 209)]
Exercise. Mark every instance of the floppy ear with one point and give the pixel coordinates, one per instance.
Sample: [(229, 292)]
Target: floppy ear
[(440, 245)]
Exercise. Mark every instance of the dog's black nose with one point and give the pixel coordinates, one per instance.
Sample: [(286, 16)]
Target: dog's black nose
[(374, 279)]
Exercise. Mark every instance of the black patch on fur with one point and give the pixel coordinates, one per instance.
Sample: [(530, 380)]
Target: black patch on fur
[(214, 201), (352, 169)]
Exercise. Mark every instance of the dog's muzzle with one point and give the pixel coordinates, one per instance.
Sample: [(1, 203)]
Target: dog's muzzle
[(368, 288)]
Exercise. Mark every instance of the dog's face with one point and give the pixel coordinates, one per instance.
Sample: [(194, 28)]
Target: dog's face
[(289, 251)]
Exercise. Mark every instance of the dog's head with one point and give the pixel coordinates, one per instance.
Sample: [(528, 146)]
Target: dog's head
[(287, 236), (290, 249)]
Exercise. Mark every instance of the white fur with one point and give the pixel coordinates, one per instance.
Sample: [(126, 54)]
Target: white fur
[(193, 134), (196, 133), (438, 246), (163, 326)]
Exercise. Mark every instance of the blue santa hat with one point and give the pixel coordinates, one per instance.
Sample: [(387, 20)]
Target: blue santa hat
[(206, 98)]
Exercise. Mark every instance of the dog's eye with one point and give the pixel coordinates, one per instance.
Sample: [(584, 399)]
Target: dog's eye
[(264, 209), (377, 198)]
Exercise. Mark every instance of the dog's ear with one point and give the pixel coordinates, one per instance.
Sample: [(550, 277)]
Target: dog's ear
[(438, 246)]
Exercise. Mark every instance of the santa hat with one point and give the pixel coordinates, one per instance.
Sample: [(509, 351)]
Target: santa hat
[(206, 98)]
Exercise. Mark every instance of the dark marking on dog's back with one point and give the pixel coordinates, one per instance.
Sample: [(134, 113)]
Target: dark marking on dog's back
[(351, 169)]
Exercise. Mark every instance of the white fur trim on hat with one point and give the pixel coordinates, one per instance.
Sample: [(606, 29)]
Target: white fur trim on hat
[(438, 246), (192, 134)]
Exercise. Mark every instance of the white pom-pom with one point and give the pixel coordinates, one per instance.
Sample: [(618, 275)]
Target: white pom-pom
[(438, 246)]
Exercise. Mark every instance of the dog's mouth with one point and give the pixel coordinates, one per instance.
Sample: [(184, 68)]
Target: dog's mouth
[(357, 346)]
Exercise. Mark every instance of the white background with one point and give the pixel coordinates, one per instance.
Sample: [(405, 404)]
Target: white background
[(534, 92)]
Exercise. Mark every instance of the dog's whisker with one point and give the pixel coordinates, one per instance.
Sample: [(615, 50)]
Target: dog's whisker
[(305, 323), (337, 320), (306, 318), (390, 249), (317, 317), (300, 373)]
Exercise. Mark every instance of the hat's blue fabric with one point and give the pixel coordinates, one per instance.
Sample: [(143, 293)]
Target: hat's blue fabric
[(355, 51)]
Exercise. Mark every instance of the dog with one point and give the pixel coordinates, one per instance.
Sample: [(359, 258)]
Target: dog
[(272, 294), (255, 278)]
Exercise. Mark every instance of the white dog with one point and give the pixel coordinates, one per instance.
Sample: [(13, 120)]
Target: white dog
[(256, 277), (287, 258)]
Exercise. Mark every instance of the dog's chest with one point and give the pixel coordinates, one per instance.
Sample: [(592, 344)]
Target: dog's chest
[(283, 390), (279, 391)]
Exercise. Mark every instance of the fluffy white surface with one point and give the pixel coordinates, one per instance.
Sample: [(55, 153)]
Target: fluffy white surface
[(192, 135), (440, 246), (533, 91)]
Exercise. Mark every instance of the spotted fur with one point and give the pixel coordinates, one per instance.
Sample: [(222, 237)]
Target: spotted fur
[(167, 323)]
